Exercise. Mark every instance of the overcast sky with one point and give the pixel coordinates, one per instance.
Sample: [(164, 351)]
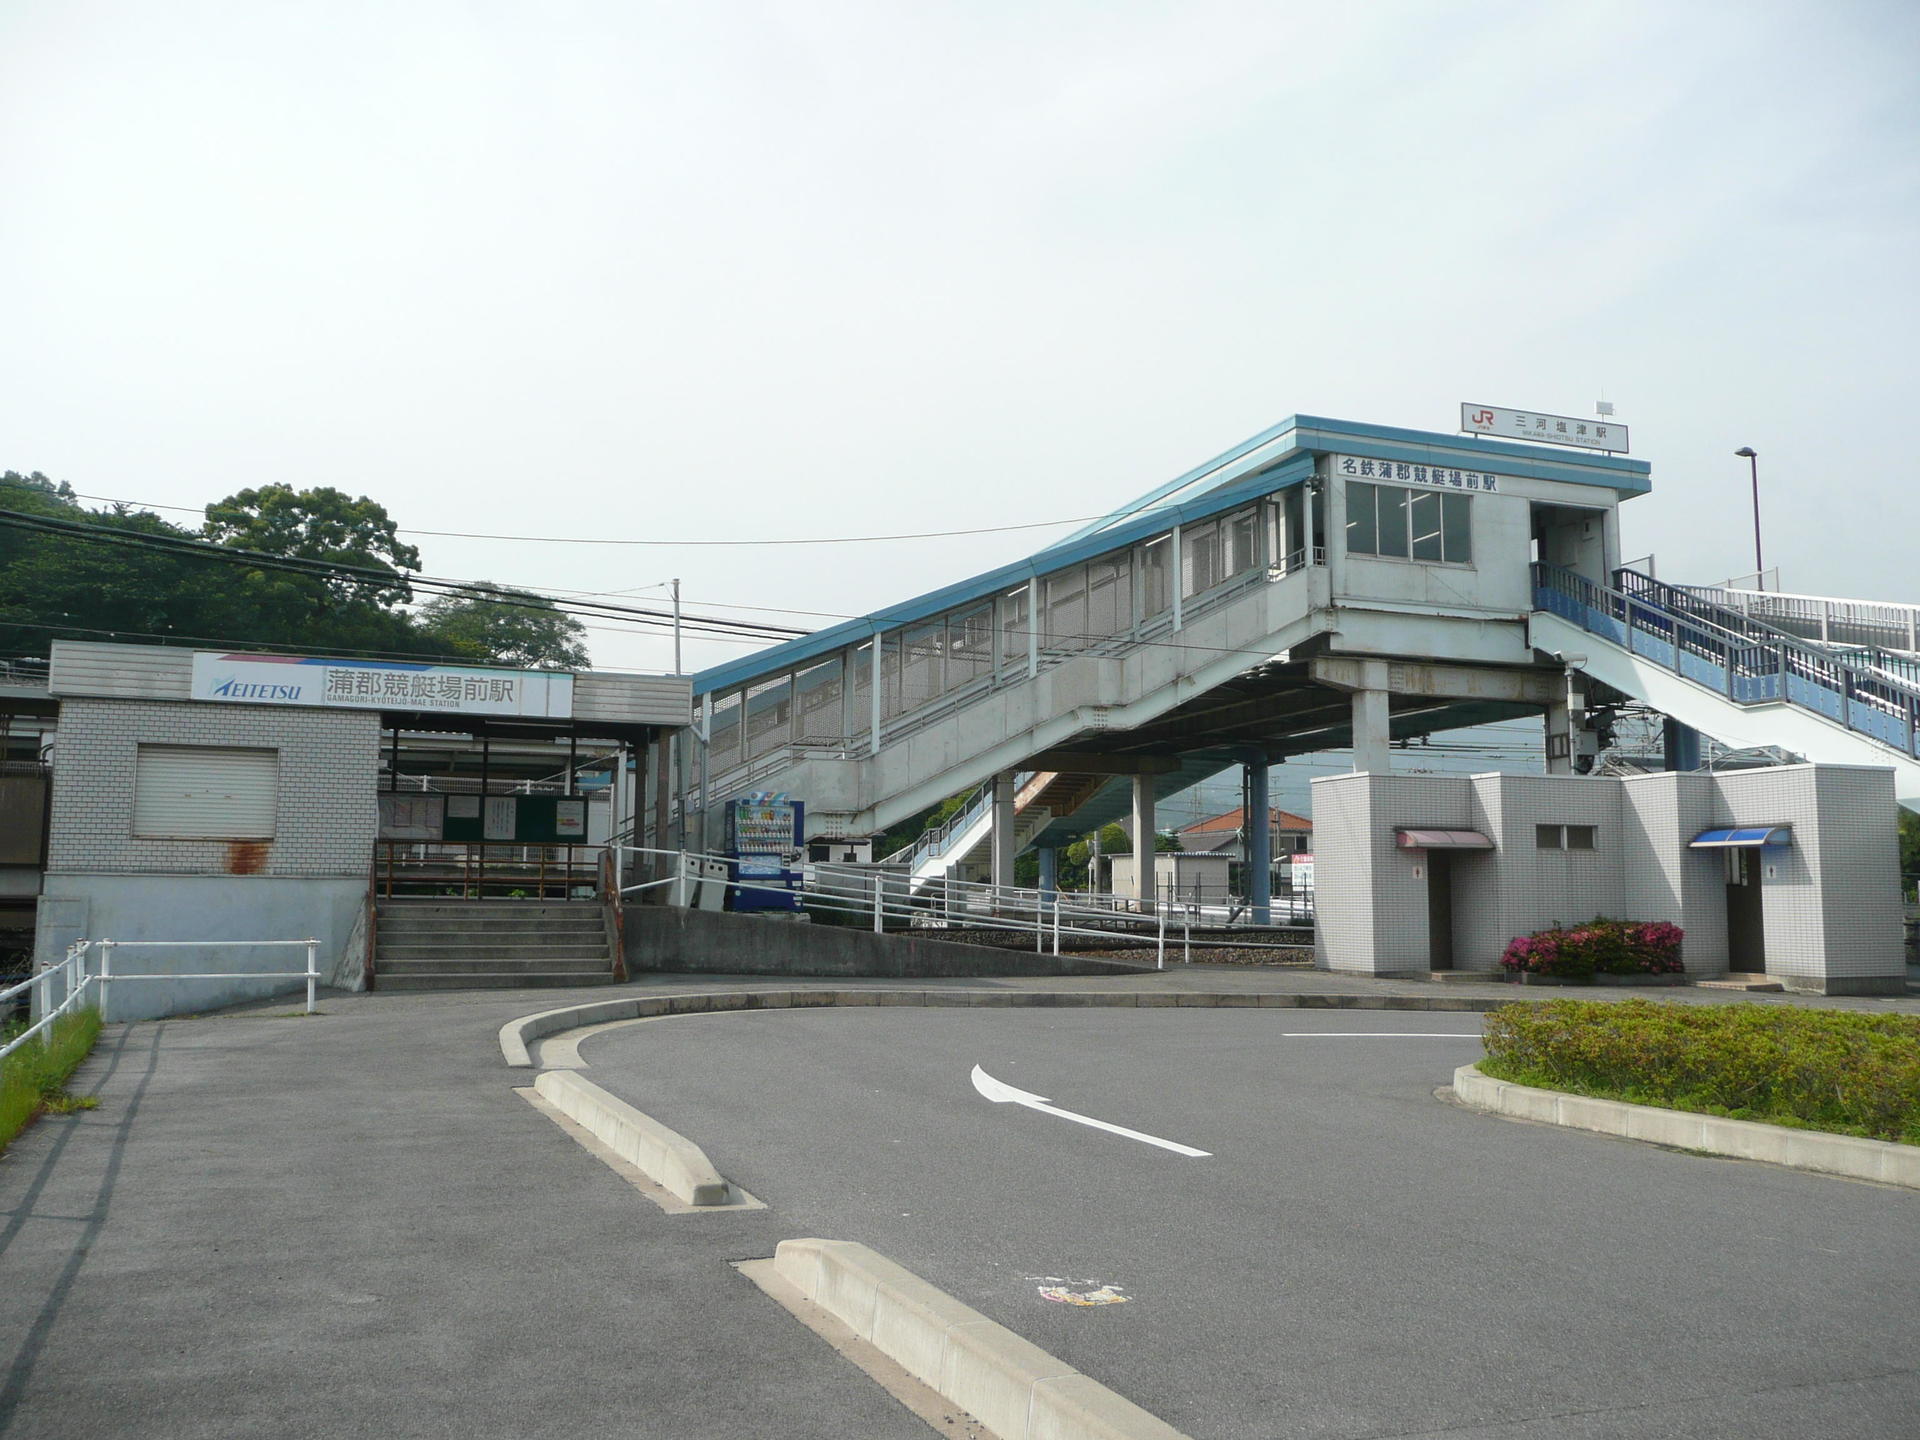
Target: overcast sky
[(697, 272)]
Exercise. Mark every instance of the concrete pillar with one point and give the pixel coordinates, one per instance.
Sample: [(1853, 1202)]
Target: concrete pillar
[(1049, 872), (1003, 829), (1559, 738), (1259, 848), (1144, 833), (1681, 744), (1372, 739)]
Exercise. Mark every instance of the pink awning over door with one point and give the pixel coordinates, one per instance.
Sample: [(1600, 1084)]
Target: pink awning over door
[(1441, 840)]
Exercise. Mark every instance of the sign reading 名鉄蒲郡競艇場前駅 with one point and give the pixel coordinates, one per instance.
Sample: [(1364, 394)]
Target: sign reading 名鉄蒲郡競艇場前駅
[(379, 685), (1544, 429), (1361, 467)]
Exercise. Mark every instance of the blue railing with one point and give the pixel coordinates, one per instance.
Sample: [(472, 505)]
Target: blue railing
[(1724, 651)]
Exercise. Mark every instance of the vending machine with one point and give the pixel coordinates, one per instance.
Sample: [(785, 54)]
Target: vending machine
[(763, 842)]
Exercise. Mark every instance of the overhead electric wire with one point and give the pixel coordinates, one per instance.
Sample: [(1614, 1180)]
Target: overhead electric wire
[(706, 625), (670, 544)]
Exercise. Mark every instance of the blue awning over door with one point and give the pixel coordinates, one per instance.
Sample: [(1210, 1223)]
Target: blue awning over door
[(1742, 837)]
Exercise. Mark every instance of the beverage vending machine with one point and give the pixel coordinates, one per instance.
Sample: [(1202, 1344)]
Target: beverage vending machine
[(763, 841)]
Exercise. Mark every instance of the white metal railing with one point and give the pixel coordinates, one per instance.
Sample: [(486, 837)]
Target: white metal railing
[(107, 979), (72, 972), (1050, 916)]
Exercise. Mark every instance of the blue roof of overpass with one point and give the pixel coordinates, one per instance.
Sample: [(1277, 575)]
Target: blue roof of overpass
[(1272, 460)]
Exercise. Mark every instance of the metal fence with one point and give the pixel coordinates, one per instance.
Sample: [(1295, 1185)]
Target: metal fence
[(1051, 917), (75, 983)]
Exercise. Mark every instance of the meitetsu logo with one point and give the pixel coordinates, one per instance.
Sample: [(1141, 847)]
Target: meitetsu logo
[(233, 688)]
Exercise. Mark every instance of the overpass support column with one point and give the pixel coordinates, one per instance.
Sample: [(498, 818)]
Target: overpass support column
[(1559, 738), (1049, 873), (1372, 739), (1003, 829), (1258, 828), (1681, 743), (1145, 872)]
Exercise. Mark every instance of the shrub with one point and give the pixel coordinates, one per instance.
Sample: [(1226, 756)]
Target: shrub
[(1844, 1071), (1611, 947)]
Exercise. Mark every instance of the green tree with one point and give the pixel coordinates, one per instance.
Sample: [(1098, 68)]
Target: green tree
[(1909, 850), (325, 525), (506, 627)]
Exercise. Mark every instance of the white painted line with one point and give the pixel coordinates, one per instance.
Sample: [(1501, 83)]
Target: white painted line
[(1380, 1034), (1002, 1094)]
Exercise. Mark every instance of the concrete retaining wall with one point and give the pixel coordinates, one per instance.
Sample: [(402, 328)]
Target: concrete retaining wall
[(667, 938)]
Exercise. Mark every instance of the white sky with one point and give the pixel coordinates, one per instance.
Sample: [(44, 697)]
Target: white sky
[(725, 270)]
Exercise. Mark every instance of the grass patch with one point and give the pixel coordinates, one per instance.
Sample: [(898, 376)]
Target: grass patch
[(32, 1078), (1841, 1071)]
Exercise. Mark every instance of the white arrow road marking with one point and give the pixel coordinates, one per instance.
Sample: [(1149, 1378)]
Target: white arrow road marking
[(1002, 1094)]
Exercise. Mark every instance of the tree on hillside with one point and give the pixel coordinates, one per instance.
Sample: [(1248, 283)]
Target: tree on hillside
[(323, 524), (492, 623)]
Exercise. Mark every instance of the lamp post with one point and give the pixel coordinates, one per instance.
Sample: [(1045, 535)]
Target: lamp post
[(1752, 457)]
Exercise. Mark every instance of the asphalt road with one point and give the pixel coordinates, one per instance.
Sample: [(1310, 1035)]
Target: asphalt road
[(1355, 1258)]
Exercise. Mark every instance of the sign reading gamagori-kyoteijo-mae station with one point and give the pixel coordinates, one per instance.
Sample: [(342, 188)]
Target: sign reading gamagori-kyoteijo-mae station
[(380, 685)]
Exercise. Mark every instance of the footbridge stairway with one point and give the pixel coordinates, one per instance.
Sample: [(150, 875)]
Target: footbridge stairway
[(492, 945), (1733, 675)]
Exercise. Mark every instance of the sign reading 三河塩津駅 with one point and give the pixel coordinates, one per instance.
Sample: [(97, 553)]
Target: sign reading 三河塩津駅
[(1361, 467), (1544, 429), (380, 685)]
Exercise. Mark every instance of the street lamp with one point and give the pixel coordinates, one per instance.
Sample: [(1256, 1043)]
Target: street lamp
[(1752, 457)]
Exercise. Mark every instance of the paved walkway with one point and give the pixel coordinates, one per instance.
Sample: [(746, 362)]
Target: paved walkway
[(350, 1225)]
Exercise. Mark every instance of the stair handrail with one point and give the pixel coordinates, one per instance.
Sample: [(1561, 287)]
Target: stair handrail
[(1686, 601), (1796, 658)]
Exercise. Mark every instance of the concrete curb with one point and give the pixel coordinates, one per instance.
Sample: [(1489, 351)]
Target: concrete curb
[(664, 1156), (517, 1037), (1846, 1155), (1011, 1386)]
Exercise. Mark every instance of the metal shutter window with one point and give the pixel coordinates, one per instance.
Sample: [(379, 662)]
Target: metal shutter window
[(205, 792)]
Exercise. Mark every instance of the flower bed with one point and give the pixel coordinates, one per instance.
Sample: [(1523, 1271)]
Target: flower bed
[(1598, 947)]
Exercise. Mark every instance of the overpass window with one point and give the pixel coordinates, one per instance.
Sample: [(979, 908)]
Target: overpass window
[(1409, 524), (1393, 522), (1456, 529), (1362, 529), (1424, 512)]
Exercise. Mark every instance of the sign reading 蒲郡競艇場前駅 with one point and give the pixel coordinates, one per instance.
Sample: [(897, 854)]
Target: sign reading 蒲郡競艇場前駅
[(379, 685), (1541, 429)]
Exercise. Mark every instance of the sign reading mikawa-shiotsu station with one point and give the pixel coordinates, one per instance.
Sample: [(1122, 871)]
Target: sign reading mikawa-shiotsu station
[(380, 685)]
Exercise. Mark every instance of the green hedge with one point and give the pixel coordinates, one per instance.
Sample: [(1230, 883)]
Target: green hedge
[(32, 1076), (1844, 1071)]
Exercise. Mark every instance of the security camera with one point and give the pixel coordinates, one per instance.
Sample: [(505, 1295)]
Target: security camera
[(1573, 660)]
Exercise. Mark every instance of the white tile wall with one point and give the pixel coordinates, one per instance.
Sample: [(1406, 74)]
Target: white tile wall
[(327, 816), (1831, 900)]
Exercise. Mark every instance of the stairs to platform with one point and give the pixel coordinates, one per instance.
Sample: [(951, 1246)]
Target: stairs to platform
[(491, 945)]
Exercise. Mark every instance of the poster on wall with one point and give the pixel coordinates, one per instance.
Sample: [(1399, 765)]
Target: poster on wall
[(502, 818), (463, 807), (411, 817), (570, 819)]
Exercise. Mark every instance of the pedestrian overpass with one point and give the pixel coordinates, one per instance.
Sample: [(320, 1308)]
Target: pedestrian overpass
[(1324, 584)]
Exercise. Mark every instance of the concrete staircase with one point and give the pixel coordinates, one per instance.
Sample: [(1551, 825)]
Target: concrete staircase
[(490, 945)]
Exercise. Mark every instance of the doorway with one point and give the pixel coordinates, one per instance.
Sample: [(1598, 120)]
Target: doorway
[(1440, 909), (1746, 923)]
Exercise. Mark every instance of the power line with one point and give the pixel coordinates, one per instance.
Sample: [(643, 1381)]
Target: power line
[(670, 544), (709, 625)]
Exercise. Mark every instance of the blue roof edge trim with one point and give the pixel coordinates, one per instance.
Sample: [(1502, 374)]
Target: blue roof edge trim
[(1534, 462), (1070, 551)]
